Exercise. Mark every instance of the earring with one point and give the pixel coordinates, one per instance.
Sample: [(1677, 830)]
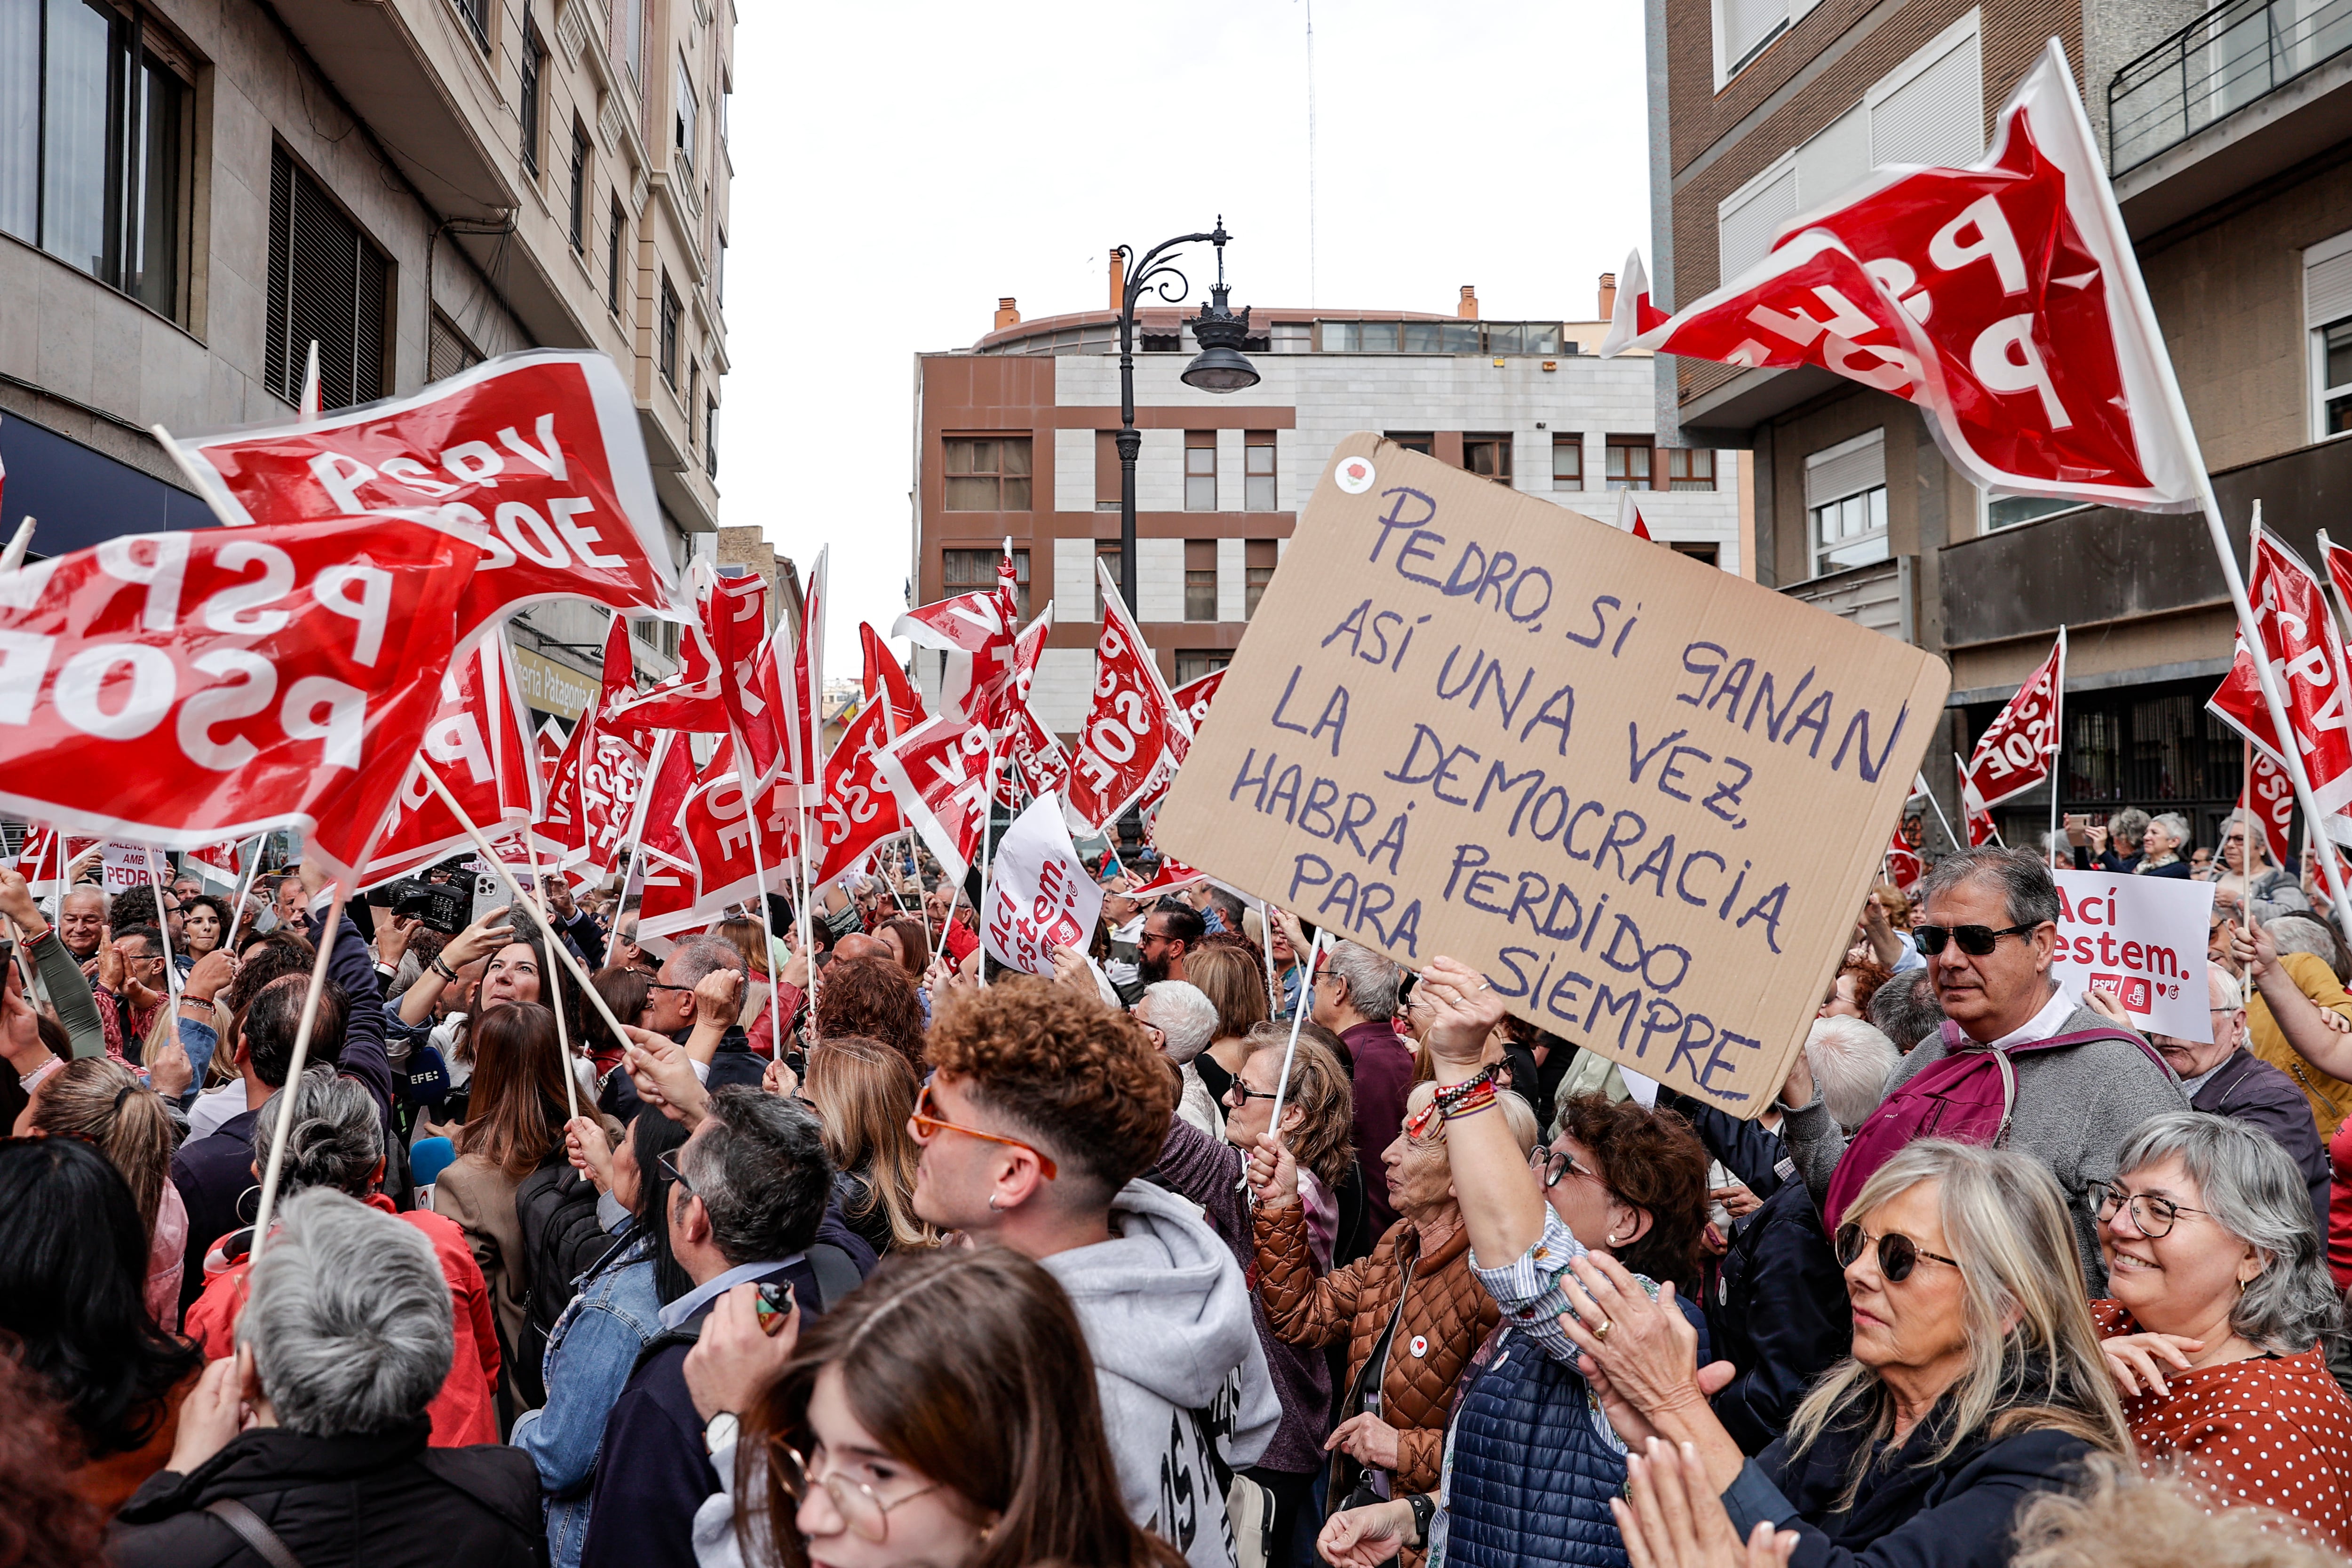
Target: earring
[(1612, 1238), (992, 1209)]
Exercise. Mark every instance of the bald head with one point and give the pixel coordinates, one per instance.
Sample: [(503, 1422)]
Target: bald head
[(859, 945)]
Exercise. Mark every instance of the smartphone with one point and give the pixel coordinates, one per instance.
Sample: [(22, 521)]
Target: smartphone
[(775, 1307)]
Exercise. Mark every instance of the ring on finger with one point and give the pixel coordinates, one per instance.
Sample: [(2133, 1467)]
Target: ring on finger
[(1601, 1330)]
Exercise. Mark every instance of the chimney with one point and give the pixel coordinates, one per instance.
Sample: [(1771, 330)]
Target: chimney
[(1608, 295), (1468, 309), (1008, 313), (1118, 278)]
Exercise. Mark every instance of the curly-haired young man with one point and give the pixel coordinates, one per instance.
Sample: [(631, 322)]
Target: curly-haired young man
[(1044, 1109)]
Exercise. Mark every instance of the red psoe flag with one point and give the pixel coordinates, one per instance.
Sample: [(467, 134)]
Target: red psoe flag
[(182, 688), (975, 630), (2013, 753), (1631, 314), (477, 747), (2300, 639), (1195, 695), (1902, 862), (884, 675), (594, 789), (1135, 734), (2003, 299), (860, 809), (938, 771), (537, 455), (2269, 798)]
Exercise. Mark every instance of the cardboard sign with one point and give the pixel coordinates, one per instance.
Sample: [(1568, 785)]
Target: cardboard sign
[(1039, 895), (2142, 939), (124, 866), (1643, 797)]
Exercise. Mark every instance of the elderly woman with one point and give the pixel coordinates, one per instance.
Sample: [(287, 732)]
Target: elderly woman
[(1409, 1313), (1182, 1021), (1976, 1379), (1530, 1470), (341, 1349), (2222, 1299), (2161, 845)]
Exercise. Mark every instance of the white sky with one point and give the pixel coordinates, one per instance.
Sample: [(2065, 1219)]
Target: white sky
[(898, 167)]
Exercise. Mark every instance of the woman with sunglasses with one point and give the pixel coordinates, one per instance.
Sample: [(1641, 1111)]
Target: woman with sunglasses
[(2222, 1302), (1976, 1380), (942, 1416)]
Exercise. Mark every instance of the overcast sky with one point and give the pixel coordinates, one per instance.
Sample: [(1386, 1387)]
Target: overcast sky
[(898, 167)]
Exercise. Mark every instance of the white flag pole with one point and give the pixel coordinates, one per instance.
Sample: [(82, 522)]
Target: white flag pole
[(2057, 751), (244, 888), (1963, 767), (662, 739), (1282, 1085), (751, 805), (285, 1108), (163, 929), (551, 992), (1921, 779)]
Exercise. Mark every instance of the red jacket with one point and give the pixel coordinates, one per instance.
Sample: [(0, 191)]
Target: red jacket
[(465, 1412)]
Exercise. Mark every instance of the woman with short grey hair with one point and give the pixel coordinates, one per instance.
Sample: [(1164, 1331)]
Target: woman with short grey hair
[(2161, 845), (341, 1346), (1181, 1021), (2223, 1304)]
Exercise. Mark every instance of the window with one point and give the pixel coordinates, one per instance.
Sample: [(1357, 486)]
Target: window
[(1419, 440), (726, 102), (974, 571), (630, 18), (328, 284), (1200, 470), (1689, 469), (682, 121), (1106, 471), (1488, 456), (1568, 462), (988, 473), (579, 187), (613, 260), (96, 133), (2008, 511), (1107, 552), (1695, 551), (447, 349), (710, 439), (1845, 502), (1746, 220), (1259, 558), (670, 311), (1200, 579), (478, 20), (1258, 471), (1360, 337), (1629, 462), (719, 270), (1444, 337), (534, 68), (1191, 664), (1745, 29)]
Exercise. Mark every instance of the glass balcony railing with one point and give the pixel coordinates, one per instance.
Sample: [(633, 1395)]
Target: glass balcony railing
[(2220, 63)]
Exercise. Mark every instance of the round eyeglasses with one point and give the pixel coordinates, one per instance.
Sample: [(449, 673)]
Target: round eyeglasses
[(862, 1509)]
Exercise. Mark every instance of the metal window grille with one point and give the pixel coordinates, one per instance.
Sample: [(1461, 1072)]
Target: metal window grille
[(534, 63), (670, 324)]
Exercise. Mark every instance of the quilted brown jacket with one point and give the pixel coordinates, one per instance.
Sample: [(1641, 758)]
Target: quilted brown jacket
[(1447, 1311)]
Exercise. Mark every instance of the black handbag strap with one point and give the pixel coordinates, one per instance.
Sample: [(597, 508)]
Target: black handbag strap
[(249, 1527)]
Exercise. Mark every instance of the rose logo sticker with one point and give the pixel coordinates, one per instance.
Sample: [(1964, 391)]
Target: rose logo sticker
[(1354, 475)]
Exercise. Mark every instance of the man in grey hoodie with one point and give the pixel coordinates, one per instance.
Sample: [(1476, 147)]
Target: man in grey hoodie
[(1045, 1108)]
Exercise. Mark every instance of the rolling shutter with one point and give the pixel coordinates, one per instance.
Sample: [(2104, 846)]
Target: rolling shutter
[(1934, 111), (1846, 469), (328, 284), (1746, 219), (2326, 286)]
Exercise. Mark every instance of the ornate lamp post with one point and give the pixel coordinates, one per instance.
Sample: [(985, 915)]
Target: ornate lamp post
[(1220, 367)]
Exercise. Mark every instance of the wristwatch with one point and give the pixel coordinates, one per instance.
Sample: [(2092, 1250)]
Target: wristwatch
[(719, 1431), (1424, 1508)]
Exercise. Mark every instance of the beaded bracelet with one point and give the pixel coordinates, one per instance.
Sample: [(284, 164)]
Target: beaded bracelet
[(1471, 1095), (442, 969)]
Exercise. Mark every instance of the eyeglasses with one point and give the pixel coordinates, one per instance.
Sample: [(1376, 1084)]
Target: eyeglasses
[(1976, 941), (1240, 1094), (1898, 1255), (2154, 1216), (668, 1160), (924, 1127), (1552, 1167), (657, 985), (866, 1514)]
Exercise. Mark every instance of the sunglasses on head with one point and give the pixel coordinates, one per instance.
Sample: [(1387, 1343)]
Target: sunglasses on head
[(1898, 1255), (1976, 941)]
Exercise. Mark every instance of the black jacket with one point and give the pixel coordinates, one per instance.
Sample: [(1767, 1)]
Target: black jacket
[(383, 1501), (2254, 1092), (1779, 1313)]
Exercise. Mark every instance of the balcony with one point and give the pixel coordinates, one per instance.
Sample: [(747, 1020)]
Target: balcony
[(2247, 90), (1878, 596)]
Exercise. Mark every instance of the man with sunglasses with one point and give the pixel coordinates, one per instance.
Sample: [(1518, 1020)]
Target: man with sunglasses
[(1988, 930), (1044, 1109)]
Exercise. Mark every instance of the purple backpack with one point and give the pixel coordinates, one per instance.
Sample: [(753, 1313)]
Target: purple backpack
[(1967, 1096)]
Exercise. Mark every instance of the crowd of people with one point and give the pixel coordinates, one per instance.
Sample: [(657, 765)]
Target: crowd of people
[(825, 1240)]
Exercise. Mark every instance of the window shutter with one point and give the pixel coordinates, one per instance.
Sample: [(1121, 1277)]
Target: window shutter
[(328, 284), (1937, 115), (2327, 290), (1846, 469), (1835, 159), (1746, 220), (1748, 23)]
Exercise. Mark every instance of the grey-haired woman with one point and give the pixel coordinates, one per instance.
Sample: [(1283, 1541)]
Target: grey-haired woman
[(2221, 1304)]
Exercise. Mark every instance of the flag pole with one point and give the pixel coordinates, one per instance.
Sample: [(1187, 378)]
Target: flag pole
[(1963, 767), (244, 888), (563, 952), (1282, 1085), (2058, 728), (163, 929), (759, 880), (300, 1057), (550, 991), (1947, 822), (662, 740)]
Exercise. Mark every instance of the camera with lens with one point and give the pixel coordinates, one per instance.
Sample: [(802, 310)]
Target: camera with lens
[(441, 907)]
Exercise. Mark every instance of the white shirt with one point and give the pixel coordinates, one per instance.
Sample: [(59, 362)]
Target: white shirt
[(2042, 1025), (214, 1106)]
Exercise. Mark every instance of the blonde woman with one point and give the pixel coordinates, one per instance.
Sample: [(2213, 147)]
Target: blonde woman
[(864, 1091), (98, 1099)]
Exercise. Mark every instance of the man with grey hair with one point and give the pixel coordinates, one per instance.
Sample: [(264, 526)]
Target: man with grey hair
[(1905, 1009), (343, 1344), (1181, 1021), (1988, 929), (2225, 1079), (747, 1208), (1356, 998)]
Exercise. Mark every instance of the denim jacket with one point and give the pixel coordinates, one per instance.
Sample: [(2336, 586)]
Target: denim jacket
[(590, 1353)]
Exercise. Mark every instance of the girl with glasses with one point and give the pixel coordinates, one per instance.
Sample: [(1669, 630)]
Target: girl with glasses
[(2221, 1304), (943, 1416)]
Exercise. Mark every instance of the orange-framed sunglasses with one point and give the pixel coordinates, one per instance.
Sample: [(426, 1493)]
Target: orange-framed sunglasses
[(924, 1126)]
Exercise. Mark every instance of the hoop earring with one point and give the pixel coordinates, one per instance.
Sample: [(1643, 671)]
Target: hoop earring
[(993, 1209)]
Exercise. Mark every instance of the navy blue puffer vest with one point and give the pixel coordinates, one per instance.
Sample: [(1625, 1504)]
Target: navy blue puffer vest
[(1532, 1473)]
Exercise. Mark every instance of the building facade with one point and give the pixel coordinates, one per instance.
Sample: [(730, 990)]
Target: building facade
[(192, 194), (1014, 438), (2228, 133)]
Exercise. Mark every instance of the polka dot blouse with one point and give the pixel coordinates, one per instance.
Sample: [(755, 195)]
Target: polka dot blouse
[(2274, 1431)]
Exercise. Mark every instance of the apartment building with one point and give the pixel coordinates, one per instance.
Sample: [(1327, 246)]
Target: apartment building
[(192, 194), (1014, 437), (2228, 133)]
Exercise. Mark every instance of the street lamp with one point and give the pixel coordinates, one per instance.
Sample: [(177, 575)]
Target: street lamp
[(1220, 367)]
